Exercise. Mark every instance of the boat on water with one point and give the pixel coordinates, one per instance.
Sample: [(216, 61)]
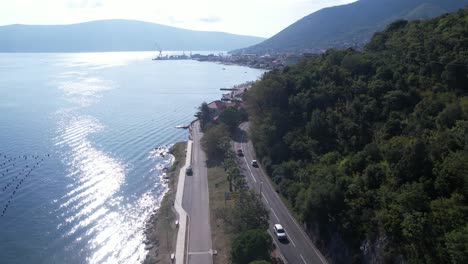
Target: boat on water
[(182, 126)]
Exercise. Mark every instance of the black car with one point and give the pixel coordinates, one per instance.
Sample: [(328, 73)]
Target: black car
[(189, 170), (240, 153)]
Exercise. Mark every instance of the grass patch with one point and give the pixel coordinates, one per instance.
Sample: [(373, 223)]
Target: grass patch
[(221, 235), (160, 228)]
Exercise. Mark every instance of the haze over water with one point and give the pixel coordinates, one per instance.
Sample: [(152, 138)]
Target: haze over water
[(78, 171)]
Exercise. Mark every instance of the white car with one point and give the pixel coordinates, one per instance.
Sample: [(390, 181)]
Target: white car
[(254, 163), (279, 232)]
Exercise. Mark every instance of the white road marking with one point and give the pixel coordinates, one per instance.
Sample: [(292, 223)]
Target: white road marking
[(274, 213), (188, 239), (306, 238), (290, 239), (303, 259), (265, 198), (251, 174), (287, 212), (245, 159), (318, 254), (200, 253), (277, 246)]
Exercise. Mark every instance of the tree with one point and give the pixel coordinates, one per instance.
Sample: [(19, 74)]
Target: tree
[(396, 25), (204, 115), (216, 142), (250, 212), (250, 246), (457, 245), (260, 262), (231, 117), (368, 145), (373, 145)]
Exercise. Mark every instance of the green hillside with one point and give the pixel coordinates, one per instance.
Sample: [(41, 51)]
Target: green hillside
[(349, 25), (371, 148), (424, 11)]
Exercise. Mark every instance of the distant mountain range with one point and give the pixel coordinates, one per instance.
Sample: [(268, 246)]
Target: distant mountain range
[(115, 35), (349, 25)]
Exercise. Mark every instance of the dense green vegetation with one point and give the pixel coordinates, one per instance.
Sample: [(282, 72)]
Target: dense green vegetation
[(216, 143), (371, 148), (217, 139), (247, 217), (250, 246)]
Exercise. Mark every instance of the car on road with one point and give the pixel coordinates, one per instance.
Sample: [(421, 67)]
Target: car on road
[(240, 153), (254, 163), (279, 231), (189, 170)]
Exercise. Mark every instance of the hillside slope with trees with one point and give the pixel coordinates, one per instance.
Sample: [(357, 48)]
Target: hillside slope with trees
[(349, 25), (371, 148)]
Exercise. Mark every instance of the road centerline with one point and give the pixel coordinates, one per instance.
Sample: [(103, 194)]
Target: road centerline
[(251, 173), (292, 241), (263, 195), (273, 211), (274, 203)]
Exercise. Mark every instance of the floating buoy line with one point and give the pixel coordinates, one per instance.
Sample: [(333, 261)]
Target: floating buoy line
[(14, 171)]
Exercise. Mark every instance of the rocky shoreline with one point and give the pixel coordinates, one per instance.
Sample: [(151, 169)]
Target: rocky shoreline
[(160, 228)]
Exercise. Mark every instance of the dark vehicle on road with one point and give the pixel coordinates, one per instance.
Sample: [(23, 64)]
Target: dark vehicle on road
[(240, 153), (189, 170)]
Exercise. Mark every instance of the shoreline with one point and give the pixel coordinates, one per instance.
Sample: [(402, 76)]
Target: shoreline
[(160, 228)]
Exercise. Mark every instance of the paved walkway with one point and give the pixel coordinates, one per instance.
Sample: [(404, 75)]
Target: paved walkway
[(181, 234)]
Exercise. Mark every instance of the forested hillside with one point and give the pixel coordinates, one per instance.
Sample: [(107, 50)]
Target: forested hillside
[(349, 25), (371, 148)]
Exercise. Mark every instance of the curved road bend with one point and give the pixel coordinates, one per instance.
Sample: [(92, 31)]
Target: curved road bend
[(196, 202), (298, 248)]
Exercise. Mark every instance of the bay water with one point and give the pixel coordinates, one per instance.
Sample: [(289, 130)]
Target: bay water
[(83, 141)]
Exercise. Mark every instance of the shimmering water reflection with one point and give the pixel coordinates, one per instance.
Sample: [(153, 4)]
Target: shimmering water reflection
[(105, 122)]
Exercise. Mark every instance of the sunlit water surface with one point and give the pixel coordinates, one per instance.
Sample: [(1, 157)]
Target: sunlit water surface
[(82, 148)]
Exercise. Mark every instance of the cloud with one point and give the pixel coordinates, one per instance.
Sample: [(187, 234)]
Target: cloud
[(84, 3), (173, 20), (210, 19)]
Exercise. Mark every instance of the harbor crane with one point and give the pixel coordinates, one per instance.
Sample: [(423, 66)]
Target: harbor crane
[(160, 50)]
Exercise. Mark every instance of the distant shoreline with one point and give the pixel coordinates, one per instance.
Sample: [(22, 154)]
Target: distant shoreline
[(160, 228)]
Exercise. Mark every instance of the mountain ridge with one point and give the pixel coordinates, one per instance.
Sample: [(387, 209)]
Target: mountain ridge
[(114, 35), (348, 25)]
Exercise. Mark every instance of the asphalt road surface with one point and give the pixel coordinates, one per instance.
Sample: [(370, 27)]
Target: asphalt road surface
[(298, 248), (196, 202)]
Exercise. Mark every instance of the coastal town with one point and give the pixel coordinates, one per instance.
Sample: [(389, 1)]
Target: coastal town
[(267, 61)]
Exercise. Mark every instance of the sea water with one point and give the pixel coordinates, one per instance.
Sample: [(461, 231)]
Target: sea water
[(83, 138)]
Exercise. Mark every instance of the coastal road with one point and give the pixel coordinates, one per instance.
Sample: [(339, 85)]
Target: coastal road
[(298, 248), (196, 202)]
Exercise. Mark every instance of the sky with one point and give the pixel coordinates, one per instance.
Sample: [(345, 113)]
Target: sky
[(262, 18)]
